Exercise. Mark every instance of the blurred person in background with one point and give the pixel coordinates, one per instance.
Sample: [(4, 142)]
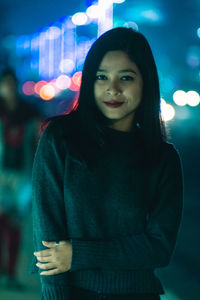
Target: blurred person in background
[(19, 123), (107, 186)]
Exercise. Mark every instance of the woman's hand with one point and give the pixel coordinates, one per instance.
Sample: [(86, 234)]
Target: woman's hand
[(55, 260)]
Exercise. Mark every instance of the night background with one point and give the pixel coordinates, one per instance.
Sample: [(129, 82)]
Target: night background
[(45, 42)]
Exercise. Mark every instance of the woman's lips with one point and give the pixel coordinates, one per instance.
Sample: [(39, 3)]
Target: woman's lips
[(113, 104)]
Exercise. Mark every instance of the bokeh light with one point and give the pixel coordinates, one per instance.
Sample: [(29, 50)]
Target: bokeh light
[(180, 98), (162, 102), (93, 11), (54, 85), (53, 32), (105, 4), (151, 14), (167, 111), (80, 18), (28, 88), (198, 32), (66, 65), (63, 82), (74, 87), (39, 85), (193, 98), (193, 56), (193, 60), (47, 92), (132, 25), (77, 77)]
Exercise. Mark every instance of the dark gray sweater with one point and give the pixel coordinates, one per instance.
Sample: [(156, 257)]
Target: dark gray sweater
[(122, 220)]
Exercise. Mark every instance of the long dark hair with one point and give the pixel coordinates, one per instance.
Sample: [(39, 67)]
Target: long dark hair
[(133, 43)]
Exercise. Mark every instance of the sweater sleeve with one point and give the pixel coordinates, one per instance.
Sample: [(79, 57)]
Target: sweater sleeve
[(154, 247), (49, 222)]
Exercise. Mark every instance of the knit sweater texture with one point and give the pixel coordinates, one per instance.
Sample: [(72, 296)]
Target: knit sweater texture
[(122, 220)]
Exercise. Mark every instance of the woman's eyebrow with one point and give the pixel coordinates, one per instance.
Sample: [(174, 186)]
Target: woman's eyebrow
[(128, 71), (102, 70), (120, 71)]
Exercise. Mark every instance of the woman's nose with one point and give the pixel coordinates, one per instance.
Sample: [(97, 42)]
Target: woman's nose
[(114, 88)]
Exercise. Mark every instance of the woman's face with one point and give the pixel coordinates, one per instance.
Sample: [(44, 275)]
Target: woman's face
[(118, 89)]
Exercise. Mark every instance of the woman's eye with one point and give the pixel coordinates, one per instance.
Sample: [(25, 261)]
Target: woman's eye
[(127, 78), (101, 77)]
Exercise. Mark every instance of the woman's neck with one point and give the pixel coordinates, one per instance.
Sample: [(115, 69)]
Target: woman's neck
[(124, 124)]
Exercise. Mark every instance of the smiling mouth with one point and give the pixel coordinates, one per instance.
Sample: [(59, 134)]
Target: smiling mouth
[(113, 104)]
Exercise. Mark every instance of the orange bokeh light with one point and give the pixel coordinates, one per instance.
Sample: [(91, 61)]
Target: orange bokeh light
[(77, 77), (47, 92)]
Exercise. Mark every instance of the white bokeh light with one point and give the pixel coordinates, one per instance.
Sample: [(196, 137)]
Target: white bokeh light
[(53, 32), (66, 65), (167, 111), (93, 11), (180, 98), (63, 82), (105, 3), (80, 18), (193, 98), (162, 102)]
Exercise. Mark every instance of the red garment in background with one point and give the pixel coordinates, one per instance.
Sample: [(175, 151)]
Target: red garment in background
[(10, 236)]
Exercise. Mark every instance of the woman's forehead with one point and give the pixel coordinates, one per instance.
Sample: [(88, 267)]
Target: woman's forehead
[(118, 60)]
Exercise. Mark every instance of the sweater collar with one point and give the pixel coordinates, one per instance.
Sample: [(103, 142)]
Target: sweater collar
[(122, 140)]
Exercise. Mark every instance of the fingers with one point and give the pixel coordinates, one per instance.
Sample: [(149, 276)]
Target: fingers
[(46, 266), (47, 252), (43, 253), (54, 260), (43, 259), (52, 272), (49, 244)]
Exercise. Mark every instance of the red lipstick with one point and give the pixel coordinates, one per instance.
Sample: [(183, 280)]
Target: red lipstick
[(113, 104)]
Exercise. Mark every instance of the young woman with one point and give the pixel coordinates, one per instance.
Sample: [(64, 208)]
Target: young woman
[(107, 187)]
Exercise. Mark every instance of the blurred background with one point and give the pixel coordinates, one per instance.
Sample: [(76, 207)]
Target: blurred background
[(45, 44)]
